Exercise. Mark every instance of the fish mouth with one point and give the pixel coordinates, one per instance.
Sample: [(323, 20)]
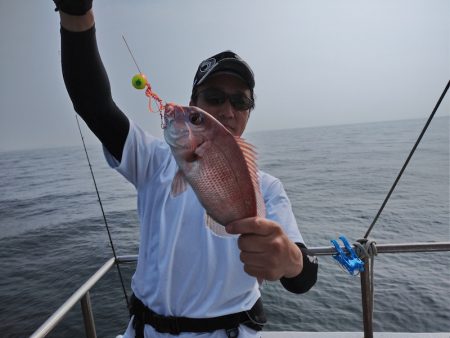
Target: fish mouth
[(179, 135), (178, 140)]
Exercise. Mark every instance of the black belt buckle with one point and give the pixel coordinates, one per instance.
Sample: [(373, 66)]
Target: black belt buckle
[(232, 333)]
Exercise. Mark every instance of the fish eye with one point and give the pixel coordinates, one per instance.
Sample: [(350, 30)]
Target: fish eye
[(196, 118)]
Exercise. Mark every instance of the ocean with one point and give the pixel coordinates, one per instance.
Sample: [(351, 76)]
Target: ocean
[(52, 235)]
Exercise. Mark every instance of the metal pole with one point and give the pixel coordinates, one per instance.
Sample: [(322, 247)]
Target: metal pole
[(386, 248), (88, 316), (57, 316), (366, 297)]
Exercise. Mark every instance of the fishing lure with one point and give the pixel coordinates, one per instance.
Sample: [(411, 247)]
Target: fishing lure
[(140, 81)]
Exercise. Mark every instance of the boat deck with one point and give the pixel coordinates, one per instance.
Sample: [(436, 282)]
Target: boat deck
[(275, 334)]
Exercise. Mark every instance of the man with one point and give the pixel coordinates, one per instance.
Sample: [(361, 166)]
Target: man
[(188, 281)]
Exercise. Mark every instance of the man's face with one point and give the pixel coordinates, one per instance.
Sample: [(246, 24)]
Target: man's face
[(231, 117)]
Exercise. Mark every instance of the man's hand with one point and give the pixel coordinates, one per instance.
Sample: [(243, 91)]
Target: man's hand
[(76, 15), (266, 251), (73, 7)]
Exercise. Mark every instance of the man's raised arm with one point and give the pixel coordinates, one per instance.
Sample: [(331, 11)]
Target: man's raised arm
[(85, 76)]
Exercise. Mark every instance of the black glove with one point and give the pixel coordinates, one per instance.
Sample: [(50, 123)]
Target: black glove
[(73, 7)]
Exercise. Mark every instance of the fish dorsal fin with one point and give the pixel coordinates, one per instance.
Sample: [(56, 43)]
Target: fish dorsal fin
[(249, 152), (179, 184), (216, 228)]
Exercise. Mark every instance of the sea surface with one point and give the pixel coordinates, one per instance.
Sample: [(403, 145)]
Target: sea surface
[(52, 234)]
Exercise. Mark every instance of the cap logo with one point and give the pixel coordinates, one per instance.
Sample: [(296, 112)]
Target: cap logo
[(207, 65)]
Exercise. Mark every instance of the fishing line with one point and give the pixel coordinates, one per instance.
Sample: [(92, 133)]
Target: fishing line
[(104, 217), (128, 47), (407, 160)]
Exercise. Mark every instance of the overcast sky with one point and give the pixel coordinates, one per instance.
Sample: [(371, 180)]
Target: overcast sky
[(315, 62)]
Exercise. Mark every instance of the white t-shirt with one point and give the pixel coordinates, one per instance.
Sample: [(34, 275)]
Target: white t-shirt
[(183, 268)]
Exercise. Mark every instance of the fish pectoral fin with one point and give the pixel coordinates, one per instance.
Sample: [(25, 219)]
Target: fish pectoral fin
[(179, 184), (202, 148), (215, 227)]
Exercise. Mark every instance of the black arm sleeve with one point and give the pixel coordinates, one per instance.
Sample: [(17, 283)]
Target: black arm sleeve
[(88, 87), (307, 278)]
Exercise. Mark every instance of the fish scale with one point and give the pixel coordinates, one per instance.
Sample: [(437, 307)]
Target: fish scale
[(223, 186)]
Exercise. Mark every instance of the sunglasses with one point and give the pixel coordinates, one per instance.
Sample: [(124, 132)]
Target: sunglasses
[(217, 97)]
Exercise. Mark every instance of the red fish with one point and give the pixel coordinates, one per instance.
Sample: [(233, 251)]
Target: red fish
[(221, 168)]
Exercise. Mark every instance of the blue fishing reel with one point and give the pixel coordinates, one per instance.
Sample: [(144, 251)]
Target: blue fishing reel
[(351, 262)]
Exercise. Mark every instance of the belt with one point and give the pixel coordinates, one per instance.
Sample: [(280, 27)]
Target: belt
[(253, 318)]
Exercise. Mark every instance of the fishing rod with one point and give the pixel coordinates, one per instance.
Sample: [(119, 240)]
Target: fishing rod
[(139, 82), (352, 261), (104, 216), (407, 160)]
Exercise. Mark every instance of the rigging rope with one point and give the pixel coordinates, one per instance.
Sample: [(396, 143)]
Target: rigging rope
[(407, 160), (104, 216)]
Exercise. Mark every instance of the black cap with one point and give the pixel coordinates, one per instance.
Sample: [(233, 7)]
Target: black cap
[(226, 61)]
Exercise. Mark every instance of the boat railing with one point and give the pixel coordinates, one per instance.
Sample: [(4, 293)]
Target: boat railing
[(82, 294)]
